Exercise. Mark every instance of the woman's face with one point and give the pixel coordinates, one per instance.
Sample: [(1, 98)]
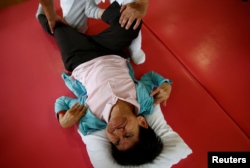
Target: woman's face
[(123, 130)]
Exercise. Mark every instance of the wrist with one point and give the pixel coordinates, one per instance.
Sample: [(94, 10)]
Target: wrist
[(49, 10), (51, 16), (60, 114), (143, 3), (63, 123)]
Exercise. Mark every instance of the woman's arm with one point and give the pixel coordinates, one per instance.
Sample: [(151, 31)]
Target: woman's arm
[(69, 110), (72, 116), (163, 86)]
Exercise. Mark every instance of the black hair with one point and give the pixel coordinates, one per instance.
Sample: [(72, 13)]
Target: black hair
[(144, 151)]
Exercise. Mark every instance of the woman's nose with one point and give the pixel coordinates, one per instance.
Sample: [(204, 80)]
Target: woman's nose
[(119, 131)]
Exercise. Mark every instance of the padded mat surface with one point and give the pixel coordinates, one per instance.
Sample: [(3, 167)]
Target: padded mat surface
[(199, 110), (211, 39)]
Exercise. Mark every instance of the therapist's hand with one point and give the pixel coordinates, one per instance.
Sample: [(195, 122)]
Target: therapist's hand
[(73, 115), (53, 20), (162, 93), (133, 11)]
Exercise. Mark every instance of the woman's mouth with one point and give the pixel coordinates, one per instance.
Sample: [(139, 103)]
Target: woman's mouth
[(116, 123)]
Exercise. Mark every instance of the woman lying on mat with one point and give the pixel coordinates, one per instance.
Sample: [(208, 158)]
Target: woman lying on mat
[(108, 94)]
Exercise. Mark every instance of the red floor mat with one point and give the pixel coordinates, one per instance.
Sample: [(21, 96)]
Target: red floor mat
[(31, 66), (211, 39)]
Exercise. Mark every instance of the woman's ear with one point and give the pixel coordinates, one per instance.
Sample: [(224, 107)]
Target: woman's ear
[(142, 121)]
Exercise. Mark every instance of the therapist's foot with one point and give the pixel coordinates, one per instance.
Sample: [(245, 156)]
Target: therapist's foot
[(92, 10), (39, 11), (138, 57)]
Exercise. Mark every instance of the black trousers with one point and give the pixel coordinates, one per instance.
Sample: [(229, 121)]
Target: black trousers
[(77, 48)]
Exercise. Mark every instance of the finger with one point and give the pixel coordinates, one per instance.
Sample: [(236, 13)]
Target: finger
[(156, 102), (51, 30), (82, 108), (130, 21), (159, 100), (164, 102), (124, 20), (155, 92), (75, 106), (79, 108), (83, 111), (122, 17), (158, 96), (123, 8), (138, 21)]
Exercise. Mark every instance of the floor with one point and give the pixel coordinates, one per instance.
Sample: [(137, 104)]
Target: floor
[(204, 51)]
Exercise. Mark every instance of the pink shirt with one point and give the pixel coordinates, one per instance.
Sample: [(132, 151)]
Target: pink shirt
[(106, 80)]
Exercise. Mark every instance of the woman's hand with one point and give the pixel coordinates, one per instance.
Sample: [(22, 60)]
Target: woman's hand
[(161, 94), (73, 115)]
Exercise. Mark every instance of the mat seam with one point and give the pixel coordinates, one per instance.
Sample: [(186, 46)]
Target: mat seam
[(207, 91)]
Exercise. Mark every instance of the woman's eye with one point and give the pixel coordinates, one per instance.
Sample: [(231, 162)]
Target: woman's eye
[(128, 136)]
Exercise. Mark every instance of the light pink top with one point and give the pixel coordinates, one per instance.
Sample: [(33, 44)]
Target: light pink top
[(106, 80)]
